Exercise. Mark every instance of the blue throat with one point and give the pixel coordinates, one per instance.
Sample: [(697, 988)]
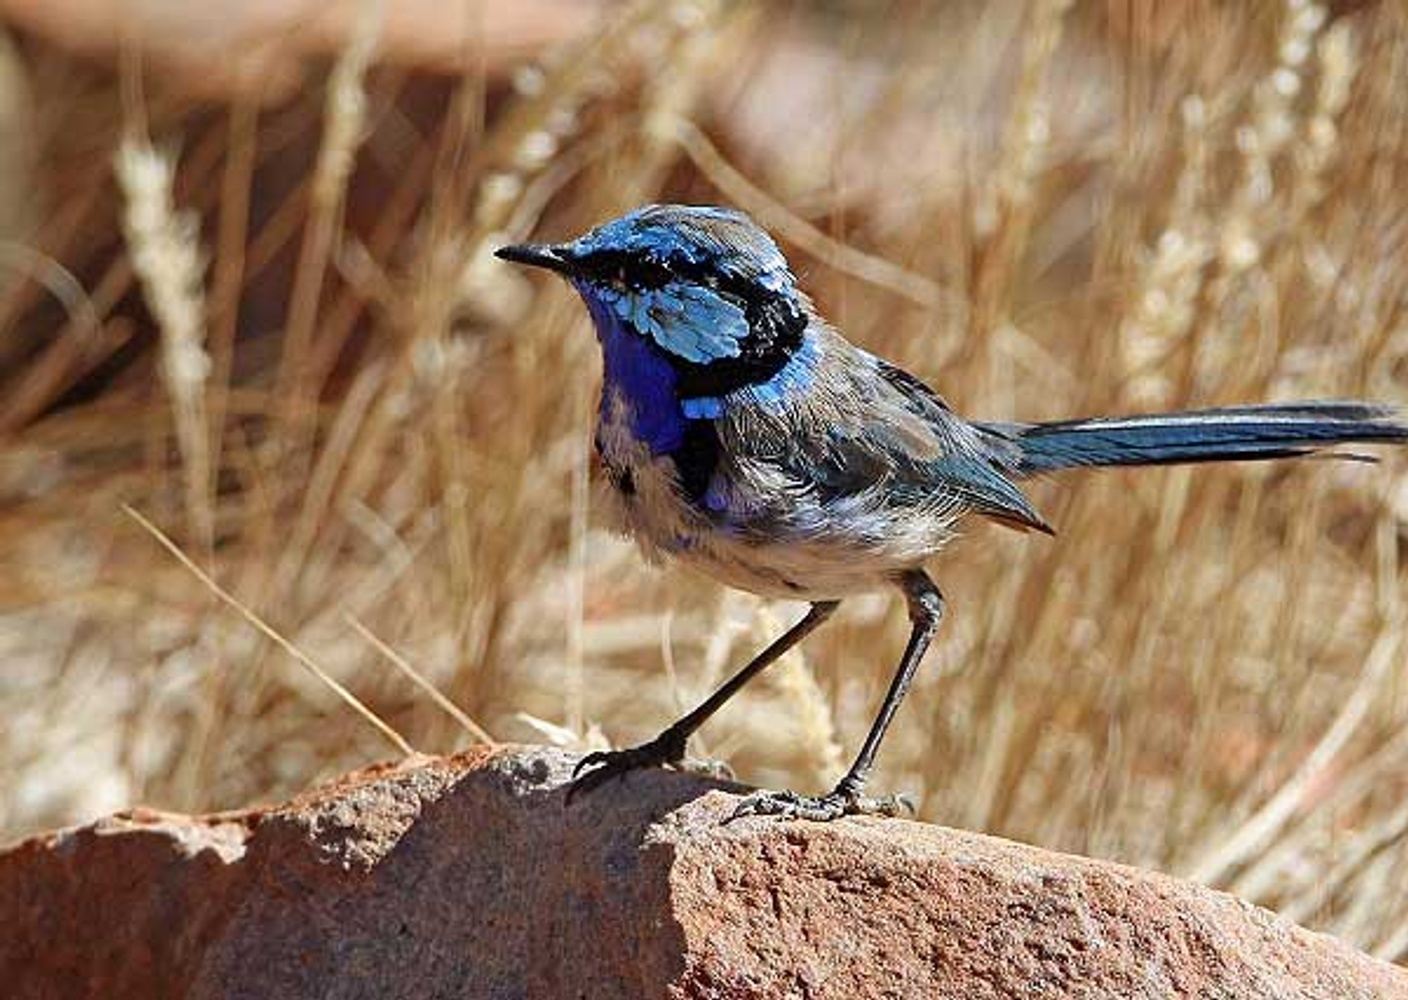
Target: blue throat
[(641, 373)]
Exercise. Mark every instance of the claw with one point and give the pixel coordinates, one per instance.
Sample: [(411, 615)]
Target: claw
[(591, 781), (820, 808), (609, 764), (589, 760)]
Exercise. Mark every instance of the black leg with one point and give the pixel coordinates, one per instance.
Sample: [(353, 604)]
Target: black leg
[(668, 747), (926, 607)]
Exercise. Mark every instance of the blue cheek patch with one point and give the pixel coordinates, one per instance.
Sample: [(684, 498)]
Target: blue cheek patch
[(689, 321)]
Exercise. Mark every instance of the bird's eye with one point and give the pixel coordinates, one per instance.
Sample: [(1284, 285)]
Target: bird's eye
[(618, 280)]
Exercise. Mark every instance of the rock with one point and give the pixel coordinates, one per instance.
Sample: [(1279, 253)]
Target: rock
[(467, 877)]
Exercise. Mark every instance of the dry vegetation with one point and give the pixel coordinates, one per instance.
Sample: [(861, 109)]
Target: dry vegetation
[(277, 332)]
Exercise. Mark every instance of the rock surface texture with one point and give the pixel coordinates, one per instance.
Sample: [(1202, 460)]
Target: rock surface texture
[(467, 877)]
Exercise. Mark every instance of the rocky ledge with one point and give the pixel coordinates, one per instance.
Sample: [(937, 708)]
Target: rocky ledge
[(469, 877)]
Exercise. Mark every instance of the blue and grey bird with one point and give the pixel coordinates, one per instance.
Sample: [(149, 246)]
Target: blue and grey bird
[(744, 436)]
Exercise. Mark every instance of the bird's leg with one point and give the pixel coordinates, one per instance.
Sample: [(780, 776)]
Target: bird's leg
[(668, 747), (926, 607)]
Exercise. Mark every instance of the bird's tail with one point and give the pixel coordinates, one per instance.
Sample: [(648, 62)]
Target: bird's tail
[(1234, 433)]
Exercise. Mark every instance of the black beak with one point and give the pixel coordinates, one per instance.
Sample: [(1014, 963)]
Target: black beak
[(537, 255)]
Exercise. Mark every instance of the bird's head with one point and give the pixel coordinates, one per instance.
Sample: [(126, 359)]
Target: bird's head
[(705, 286)]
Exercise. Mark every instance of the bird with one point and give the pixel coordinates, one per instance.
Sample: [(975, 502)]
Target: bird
[(744, 436)]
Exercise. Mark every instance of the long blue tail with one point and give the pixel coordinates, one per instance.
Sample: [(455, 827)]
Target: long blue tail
[(1234, 433)]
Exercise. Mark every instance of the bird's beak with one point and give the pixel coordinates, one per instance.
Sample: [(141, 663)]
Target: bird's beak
[(554, 258)]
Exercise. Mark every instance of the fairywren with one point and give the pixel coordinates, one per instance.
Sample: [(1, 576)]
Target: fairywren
[(743, 435)]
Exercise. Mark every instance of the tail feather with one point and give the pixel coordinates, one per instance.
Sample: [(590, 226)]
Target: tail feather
[(1236, 433)]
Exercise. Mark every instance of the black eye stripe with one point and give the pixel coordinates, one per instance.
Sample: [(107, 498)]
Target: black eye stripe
[(643, 272), (608, 266)]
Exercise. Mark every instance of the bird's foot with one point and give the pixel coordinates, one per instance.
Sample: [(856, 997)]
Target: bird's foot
[(821, 808), (604, 765)]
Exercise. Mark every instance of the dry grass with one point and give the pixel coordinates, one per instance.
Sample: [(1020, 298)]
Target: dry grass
[(360, 425)]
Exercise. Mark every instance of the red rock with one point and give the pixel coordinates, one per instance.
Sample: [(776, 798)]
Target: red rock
[(467, 877)]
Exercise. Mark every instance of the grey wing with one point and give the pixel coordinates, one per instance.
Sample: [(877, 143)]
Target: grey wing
[(956, 459), (869, 445)]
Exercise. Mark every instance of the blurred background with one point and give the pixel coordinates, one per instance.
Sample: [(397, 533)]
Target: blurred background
[(247, 292)]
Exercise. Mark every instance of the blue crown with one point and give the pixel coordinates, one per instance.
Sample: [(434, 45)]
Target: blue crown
[(694, 239)]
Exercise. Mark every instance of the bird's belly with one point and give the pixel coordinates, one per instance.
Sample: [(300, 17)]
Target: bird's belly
[(801, 572), (772, 560), (818, 565)]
